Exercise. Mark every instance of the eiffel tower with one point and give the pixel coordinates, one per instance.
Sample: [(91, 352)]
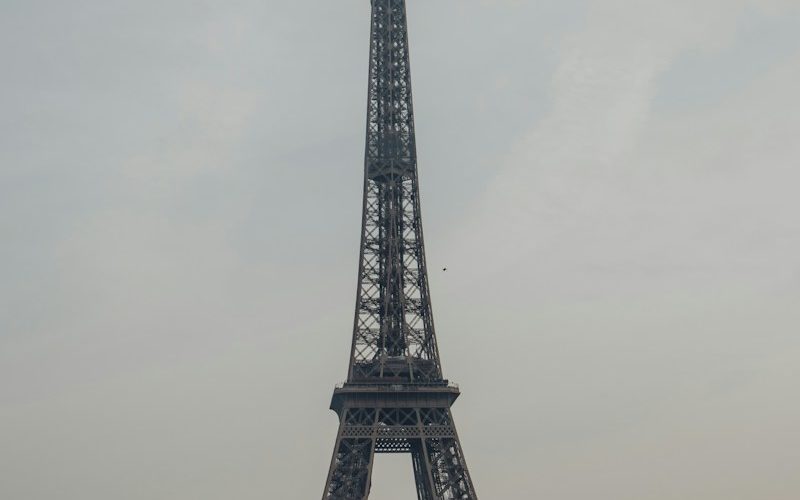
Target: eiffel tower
[(395, 399)]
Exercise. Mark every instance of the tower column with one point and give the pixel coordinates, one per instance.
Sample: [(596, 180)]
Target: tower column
[(395, 399)]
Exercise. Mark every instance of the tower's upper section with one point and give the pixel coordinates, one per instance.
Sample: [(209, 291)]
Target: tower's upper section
[(390, 116), (393, 335)]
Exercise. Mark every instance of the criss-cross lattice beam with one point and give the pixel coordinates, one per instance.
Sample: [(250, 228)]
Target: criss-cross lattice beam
[(393, 334), (395, 399), (428, 434)]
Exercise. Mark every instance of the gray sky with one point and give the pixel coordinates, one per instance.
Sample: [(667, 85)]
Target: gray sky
[(612, 184)]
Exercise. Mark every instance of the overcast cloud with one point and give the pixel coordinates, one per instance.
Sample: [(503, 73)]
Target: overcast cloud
[(612, 185)]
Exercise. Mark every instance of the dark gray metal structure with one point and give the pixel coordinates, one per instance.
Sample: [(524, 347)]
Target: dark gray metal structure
[(395, 399)]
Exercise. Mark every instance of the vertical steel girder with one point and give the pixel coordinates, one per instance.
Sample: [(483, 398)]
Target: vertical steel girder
[(395, 399)]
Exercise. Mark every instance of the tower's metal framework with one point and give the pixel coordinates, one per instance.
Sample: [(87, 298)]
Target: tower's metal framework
[(395, 399)]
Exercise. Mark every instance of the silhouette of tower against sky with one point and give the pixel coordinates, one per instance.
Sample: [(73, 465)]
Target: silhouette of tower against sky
[(396, 399)]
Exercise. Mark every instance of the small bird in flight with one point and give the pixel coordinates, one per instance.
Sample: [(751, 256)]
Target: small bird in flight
[(444, 269)]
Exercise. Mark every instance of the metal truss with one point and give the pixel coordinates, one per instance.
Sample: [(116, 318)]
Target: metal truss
[(428, 434), (395, 399), (393, 334)]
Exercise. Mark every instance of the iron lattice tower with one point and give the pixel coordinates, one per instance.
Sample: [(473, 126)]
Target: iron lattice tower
[(395, 399)]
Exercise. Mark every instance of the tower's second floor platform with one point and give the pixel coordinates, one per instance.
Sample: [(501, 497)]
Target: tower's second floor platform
[(388, 395)]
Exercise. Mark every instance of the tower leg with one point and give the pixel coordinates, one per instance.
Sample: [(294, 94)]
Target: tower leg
[(444, 456), (422, 472), (350, 474)]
